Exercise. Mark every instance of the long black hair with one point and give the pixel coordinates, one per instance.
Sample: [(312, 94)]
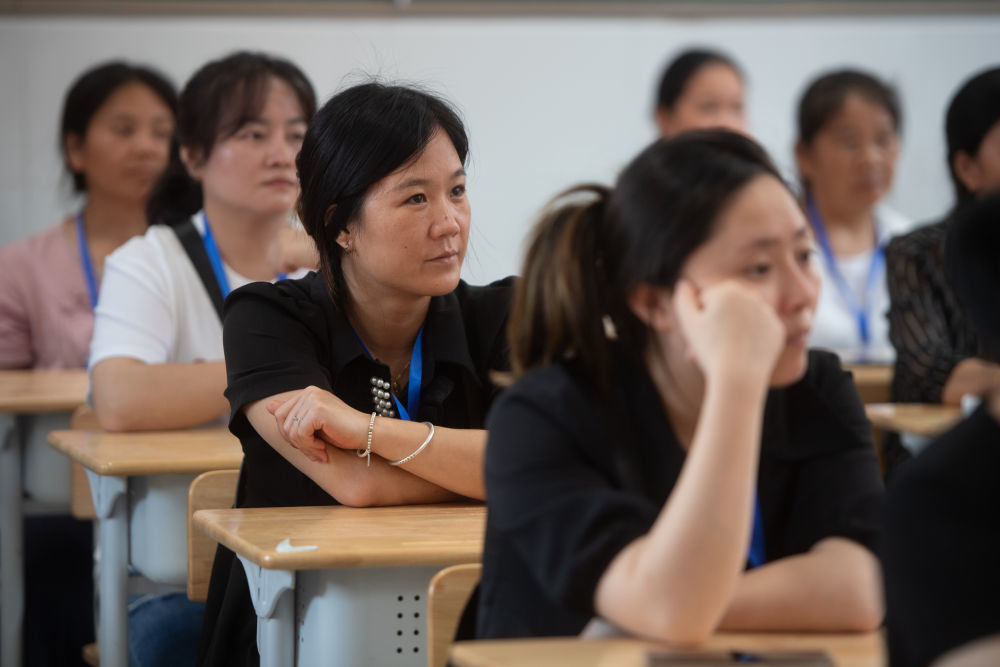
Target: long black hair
[(973, 112)]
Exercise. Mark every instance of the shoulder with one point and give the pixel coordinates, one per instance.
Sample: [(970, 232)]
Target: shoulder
[(299, 299), (919, 242), (553, 392), (824, 369), (44, 247), (484, 299), (157, 246)]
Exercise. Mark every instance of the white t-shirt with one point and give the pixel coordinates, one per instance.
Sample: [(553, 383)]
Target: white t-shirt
[(835, 325)]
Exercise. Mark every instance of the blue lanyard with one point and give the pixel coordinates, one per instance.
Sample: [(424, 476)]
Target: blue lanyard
[(212, 250), (758, 554), (88, 268), (416, 377), (861, 311)]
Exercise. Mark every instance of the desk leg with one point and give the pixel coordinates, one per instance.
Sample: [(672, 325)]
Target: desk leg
[(11, 543), (112, 624), (275, 613)]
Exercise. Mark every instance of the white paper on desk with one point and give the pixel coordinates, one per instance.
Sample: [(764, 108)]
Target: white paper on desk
[(285, 547)]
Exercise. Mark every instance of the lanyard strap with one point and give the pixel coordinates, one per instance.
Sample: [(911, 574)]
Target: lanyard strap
[(416, 377), (861, 311), (215, 259), (757, 554), (88, 268)]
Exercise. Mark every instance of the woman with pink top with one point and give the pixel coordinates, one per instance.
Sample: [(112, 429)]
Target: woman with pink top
[(117, 121)]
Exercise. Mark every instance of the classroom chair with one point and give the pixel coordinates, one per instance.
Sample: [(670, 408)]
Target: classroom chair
[(210, 490), (81, 502), (447, 595)]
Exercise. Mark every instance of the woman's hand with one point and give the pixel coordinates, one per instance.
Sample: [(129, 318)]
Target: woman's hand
[(312, 418), (292, 250), (729, 328)]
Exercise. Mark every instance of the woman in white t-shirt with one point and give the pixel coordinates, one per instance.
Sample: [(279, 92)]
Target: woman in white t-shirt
[(848, 142), (156, 361)]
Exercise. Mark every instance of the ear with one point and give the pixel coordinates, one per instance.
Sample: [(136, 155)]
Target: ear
[(968, 171), (344, 238), (73, 146), (652, 305), (192, 162), (664, 121)]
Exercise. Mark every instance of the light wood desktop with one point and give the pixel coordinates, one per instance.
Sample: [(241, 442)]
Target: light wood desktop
[(23, 392), (846, 650), (874, 381), (358, 595), (111, 459), (923, 419)]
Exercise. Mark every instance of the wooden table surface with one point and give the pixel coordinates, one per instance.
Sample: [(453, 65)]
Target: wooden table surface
[(151, 452), (26, 391), (412, 535), (925, 419), (873, 381), (847, 650)]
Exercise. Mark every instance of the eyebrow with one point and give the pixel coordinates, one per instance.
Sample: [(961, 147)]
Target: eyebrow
[(770, 241), (264, 121), (418, 182)]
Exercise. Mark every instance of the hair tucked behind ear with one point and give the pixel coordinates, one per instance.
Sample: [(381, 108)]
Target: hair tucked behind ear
[(558, 310)]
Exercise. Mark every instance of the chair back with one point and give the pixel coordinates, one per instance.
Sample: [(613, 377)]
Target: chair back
[(210, 490), (447, 596)]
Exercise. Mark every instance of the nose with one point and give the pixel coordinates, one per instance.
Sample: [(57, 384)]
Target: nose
[(447, 220), (281, 151), (801, 288)]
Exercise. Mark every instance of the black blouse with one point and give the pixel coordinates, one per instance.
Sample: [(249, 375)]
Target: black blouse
[(927, 325), (568, 488), (290, 335)]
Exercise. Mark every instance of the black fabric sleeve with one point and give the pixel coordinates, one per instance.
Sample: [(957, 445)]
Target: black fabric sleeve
[(918, 322), (273, 342), (549, 494), (837, 487)]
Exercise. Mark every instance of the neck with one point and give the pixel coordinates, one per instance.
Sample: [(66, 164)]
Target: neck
[(850, 231), (245, 241), (110, 222), (388, 325), (680, 392)]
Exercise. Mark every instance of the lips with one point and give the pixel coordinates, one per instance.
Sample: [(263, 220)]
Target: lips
[(446, 256), (281, 183), (798, 338)]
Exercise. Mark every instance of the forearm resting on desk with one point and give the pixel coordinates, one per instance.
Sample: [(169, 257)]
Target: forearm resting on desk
[(834, 587), (131, 395)]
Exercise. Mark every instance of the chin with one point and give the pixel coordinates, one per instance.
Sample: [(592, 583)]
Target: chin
[(791, 367)]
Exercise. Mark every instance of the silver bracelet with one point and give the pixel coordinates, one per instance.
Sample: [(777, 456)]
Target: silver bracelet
[(418, 449), (367, 451)]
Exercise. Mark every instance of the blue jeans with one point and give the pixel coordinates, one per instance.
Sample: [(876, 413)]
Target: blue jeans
[(163, 630)]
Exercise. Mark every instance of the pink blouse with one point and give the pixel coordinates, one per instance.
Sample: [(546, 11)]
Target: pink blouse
[(45, 316)]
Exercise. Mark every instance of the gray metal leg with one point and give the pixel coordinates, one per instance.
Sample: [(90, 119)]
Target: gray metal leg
[(11, 543), (112, 617), (275, 613)]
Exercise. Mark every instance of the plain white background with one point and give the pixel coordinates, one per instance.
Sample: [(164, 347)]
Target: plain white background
[(548, 101)]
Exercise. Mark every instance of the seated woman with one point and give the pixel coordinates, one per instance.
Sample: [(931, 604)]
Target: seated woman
[(943, 509), (156, 359), (116, 124), (939, 355), (848, 142), (668, 416), (700, 89), (320, 368)]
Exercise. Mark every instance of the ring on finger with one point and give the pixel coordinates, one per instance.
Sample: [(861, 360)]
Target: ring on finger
[(296, 420)]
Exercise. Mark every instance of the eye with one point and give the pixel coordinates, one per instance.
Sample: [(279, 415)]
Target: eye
[(758, 270), (458, 191), (417, 199), (123, 130), (805, 256)]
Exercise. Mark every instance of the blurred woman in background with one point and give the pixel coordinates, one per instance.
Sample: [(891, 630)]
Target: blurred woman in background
[(700, 89)]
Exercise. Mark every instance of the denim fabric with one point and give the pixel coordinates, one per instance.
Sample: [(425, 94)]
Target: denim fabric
[(163, 630)]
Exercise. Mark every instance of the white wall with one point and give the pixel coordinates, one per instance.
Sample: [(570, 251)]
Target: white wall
[(548, 102)]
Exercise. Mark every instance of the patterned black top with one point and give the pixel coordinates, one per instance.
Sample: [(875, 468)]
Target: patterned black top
[(927, 325)]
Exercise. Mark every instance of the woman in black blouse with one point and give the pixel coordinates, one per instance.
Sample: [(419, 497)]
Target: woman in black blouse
[(939, 355), (320, 368), (665, 399)]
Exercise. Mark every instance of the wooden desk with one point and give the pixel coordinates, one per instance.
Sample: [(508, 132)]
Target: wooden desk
[(358, 598), (111, 459), (23, 392), (847, 650), (923, 419), (873, 381)]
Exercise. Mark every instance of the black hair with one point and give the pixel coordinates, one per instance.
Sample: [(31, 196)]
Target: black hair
[(92, 89), (217, 100), (360, 136), (682, 68), (586, 255), (826, 95), (973, 111), (971, 246)]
